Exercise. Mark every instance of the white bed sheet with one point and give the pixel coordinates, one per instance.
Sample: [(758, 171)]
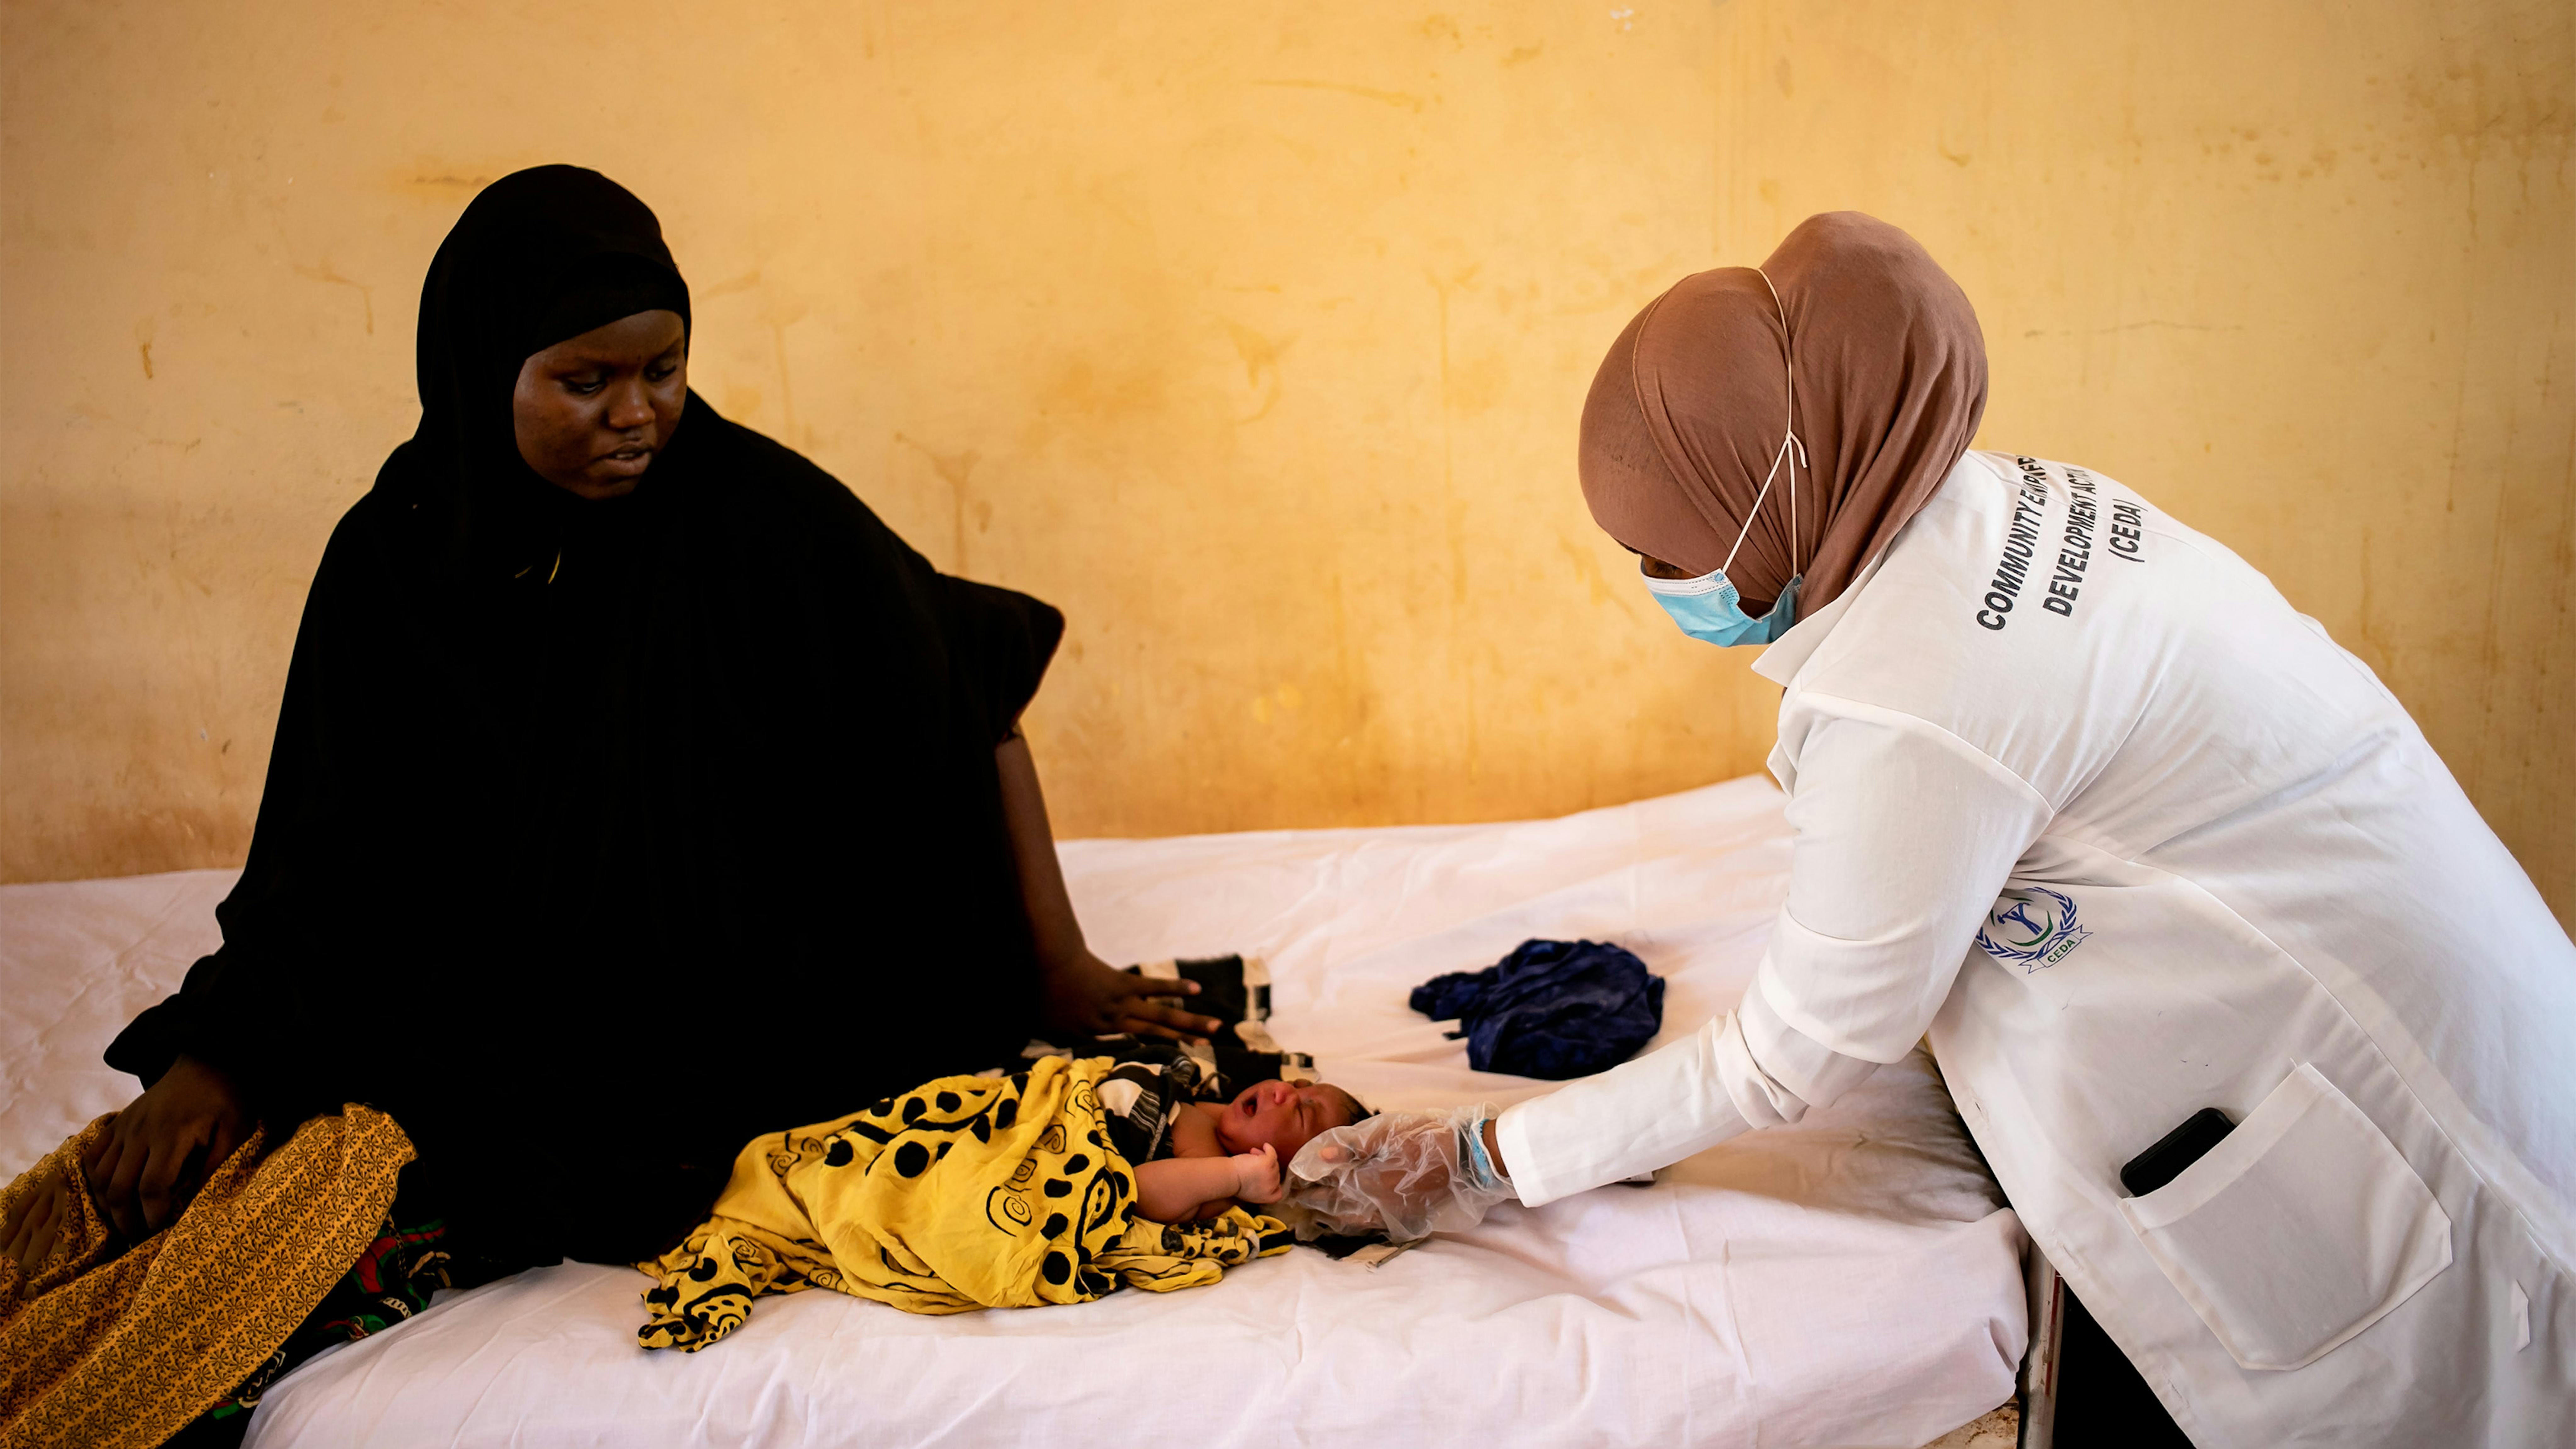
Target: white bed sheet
[(1853, 1280)]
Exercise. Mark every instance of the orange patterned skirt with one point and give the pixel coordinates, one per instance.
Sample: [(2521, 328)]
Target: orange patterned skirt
[(122, 1350)]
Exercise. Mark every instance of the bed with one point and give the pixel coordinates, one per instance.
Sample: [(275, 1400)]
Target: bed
[(1853, 1280)]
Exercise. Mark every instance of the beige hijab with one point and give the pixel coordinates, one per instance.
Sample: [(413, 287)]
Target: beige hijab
[(1687, 412)]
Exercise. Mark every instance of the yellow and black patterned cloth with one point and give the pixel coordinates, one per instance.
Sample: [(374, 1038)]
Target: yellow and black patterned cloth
[(965, 1193)]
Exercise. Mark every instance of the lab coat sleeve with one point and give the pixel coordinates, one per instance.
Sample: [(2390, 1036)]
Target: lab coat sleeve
[(1904, 837)]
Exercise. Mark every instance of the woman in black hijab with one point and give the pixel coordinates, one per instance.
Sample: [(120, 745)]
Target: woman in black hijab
[(635, 790)]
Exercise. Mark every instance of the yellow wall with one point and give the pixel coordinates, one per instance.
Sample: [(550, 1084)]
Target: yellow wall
[(1254, 336)]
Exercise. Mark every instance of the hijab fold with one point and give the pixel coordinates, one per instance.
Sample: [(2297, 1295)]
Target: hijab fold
[(1687, 411)]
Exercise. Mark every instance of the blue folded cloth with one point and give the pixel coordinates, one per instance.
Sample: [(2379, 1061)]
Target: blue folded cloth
[(1552, 1009)]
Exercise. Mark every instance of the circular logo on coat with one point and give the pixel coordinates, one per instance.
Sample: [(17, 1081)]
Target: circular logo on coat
[(2031, 928)]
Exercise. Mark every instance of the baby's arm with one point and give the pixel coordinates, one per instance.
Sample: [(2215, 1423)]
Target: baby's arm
[(1184, 1189)]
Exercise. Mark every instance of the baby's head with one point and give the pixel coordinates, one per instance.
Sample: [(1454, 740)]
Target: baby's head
[(1285, 1116)]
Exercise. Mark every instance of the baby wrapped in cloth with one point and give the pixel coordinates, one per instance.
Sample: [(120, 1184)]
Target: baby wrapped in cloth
[(964, 1193)]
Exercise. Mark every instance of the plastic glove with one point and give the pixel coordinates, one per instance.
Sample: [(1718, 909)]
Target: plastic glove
[(1408, 1174)]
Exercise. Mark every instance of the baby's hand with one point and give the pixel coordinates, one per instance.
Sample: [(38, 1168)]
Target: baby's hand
[(1256, 1175)]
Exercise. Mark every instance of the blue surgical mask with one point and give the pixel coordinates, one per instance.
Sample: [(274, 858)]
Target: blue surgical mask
[(1708, 607)]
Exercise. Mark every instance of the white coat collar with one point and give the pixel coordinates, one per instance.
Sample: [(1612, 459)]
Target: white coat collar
[(1781, 662), (1787, 655)]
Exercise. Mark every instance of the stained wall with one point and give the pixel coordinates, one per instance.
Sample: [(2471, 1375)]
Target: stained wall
[(1254, 337)]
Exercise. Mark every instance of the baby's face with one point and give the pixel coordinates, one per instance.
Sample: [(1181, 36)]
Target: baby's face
[(1283, 1115)]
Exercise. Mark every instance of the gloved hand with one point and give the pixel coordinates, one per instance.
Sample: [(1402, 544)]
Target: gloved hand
[(1408, 1174)]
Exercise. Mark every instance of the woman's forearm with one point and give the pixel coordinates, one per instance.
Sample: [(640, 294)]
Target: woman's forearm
[(1080, 993), (1056, 932), (1646, 1113)]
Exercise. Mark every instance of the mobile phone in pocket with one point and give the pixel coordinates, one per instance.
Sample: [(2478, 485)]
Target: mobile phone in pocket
[(2175, 1151)]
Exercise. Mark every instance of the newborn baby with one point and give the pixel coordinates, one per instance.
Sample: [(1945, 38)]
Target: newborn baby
[(1194, 1160)]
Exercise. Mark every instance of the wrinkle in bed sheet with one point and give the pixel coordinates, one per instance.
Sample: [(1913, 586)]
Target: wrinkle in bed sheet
[(1851, 1280)]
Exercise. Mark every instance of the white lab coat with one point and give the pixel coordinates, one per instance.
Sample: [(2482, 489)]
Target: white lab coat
[(2079, 794)]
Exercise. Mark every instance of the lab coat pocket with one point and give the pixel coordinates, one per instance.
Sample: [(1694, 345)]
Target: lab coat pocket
[(2299, 1230)]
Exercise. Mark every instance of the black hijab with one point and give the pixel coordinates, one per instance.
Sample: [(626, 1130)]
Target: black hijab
[(602, 836), (539, 257)]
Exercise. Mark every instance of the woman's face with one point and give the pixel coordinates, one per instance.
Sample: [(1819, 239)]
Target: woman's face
[(591, 412)]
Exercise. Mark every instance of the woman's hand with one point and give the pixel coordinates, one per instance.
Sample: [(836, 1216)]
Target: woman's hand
[(1256, 1175), (160, 1148), (33, 1231), (1085, 994), (1406, 1174)]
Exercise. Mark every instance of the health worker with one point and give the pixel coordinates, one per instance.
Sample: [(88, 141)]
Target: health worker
[(2077, 794)]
